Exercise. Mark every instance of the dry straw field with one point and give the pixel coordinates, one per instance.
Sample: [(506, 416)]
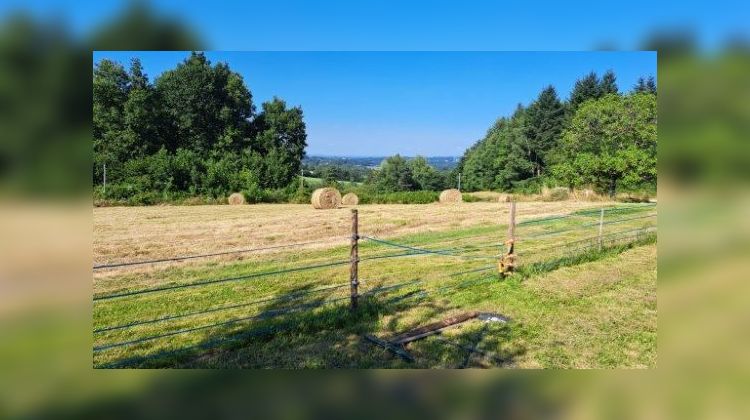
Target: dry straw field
[(129, 233)]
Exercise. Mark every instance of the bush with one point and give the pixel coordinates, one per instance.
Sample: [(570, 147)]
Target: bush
[(527, 186), (401, 197), (255, 195)]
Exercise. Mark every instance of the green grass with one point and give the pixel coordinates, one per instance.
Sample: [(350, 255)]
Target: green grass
[(569, 308)]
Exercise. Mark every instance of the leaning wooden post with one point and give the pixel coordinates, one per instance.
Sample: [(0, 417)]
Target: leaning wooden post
[(601, 228), (508, 261), (354, 258)]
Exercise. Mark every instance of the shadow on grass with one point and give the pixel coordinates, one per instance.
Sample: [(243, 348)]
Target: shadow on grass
[(300, 330)]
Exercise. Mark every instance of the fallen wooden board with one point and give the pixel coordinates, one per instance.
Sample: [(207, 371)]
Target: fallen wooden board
[(433, 328), (397, 350)]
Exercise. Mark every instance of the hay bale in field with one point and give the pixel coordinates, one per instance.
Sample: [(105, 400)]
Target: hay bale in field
[(236, 198), (451, 196), (326, 198), (350, 199)]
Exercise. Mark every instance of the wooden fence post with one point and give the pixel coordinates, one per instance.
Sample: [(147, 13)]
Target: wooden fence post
[(508, 261), (601, 228), (512, 222), (354, 258)]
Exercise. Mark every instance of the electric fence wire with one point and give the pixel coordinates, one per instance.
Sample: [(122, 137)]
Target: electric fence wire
[(216, 281), (531, 251), (284, 298), (215, 254), (427, 251), (583, 226), (592, 212)]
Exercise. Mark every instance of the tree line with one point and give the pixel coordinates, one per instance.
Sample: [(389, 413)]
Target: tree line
[(194, 131), (599, 138)]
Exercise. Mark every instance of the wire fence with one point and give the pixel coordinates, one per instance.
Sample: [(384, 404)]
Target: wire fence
[(171, 316), (213, 254)]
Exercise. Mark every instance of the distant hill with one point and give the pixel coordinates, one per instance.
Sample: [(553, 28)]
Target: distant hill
[(438, 162)]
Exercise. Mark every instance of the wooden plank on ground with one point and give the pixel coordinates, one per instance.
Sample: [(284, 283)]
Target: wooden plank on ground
[(397, 350), (433, 328)]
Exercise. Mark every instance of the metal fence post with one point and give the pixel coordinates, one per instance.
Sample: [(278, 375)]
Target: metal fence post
[(354, 258), (601, 228)]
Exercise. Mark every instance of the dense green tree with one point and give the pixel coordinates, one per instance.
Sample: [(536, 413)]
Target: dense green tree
[(210, 106), (425, 176), (281, 139), (545, 122), (602, 139), (110, 92), (611, 143), (502, 158), (394, 175), (143, 115), (193, 131), (485, 160), (515, 162)]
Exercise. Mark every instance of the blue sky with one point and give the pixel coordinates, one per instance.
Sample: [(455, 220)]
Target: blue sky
[(382, 103), (418, 24)]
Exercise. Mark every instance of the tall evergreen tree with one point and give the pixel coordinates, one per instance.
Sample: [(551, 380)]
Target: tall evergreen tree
[(585, 88), (517, 165), (545, 122), (651, 85), (608, 84), (640, 85)]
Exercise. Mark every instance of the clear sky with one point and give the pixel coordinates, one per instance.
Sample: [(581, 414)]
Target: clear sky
[(382, 103), (419, 24)]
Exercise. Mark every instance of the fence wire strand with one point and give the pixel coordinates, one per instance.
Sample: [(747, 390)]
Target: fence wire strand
[(215, 254), (427, 251), (216, 281)]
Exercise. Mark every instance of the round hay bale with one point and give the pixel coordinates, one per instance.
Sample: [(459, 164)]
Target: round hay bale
[(451, 196), (350, 199), (236, 198), (326, 198)]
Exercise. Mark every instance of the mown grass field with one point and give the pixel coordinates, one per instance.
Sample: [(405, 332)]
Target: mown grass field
[(571, 304)]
